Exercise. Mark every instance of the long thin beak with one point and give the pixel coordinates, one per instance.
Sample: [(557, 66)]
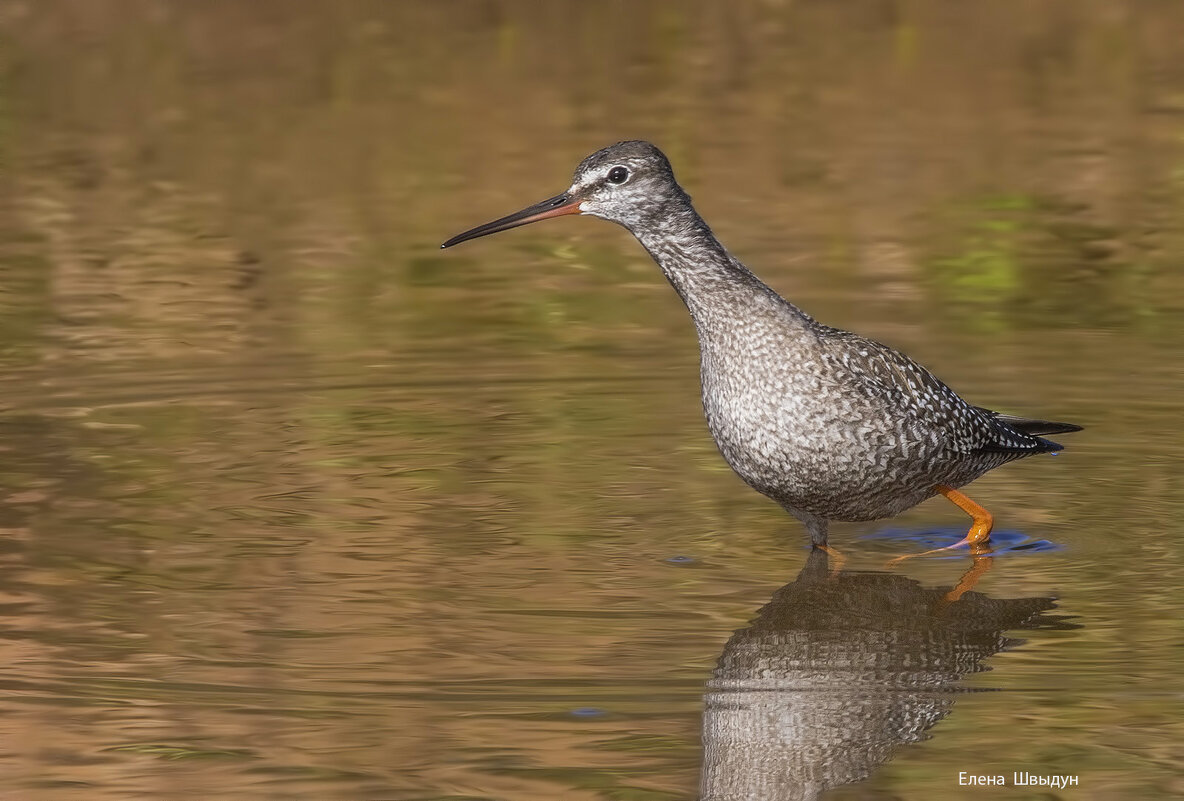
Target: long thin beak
[(551, 207)]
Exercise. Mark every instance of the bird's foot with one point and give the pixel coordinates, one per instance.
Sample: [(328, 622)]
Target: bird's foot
[(979, 536), (964, 541)]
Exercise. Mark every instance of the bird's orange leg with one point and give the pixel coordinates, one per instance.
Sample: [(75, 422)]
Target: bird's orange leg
[(980, 530)]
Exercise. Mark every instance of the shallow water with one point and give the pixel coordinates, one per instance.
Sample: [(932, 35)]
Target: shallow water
[(294, 505)]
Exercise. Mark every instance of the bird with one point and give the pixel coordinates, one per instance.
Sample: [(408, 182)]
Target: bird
[(831, 425)]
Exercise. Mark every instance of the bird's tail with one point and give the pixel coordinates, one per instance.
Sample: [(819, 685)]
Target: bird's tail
[(1037, 428)]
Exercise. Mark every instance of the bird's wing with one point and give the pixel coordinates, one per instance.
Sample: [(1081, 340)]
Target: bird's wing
[(910, 390)]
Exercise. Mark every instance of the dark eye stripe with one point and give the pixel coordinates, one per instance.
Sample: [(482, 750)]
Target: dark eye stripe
[(618, 175)]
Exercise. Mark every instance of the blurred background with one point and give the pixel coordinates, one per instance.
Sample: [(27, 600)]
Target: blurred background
[(295, 505)]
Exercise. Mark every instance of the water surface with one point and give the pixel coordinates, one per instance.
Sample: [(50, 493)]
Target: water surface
[(294, 505)]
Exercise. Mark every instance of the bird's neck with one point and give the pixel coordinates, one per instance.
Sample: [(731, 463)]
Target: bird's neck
[(707, 278)]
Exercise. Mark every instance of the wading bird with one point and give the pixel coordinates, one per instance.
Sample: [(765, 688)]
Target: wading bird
[(831, 425)]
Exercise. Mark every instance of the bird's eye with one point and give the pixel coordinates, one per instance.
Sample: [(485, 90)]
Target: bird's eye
[(618, 175)]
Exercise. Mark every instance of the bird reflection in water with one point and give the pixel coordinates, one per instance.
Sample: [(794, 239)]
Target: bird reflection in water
[(841, 669)]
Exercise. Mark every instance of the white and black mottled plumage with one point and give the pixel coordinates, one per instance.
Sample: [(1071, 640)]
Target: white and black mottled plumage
[(829, 424)]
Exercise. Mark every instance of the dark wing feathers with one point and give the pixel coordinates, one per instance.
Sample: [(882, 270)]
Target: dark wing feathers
[(1033, 428), (1028, 425)]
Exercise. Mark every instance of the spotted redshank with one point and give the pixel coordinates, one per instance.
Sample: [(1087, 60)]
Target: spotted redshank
[(831, 425)]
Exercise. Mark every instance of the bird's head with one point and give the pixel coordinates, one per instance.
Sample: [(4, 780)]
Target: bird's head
[(627, 183)]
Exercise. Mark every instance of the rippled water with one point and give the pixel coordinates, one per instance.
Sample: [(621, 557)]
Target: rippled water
[(294, 505)]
